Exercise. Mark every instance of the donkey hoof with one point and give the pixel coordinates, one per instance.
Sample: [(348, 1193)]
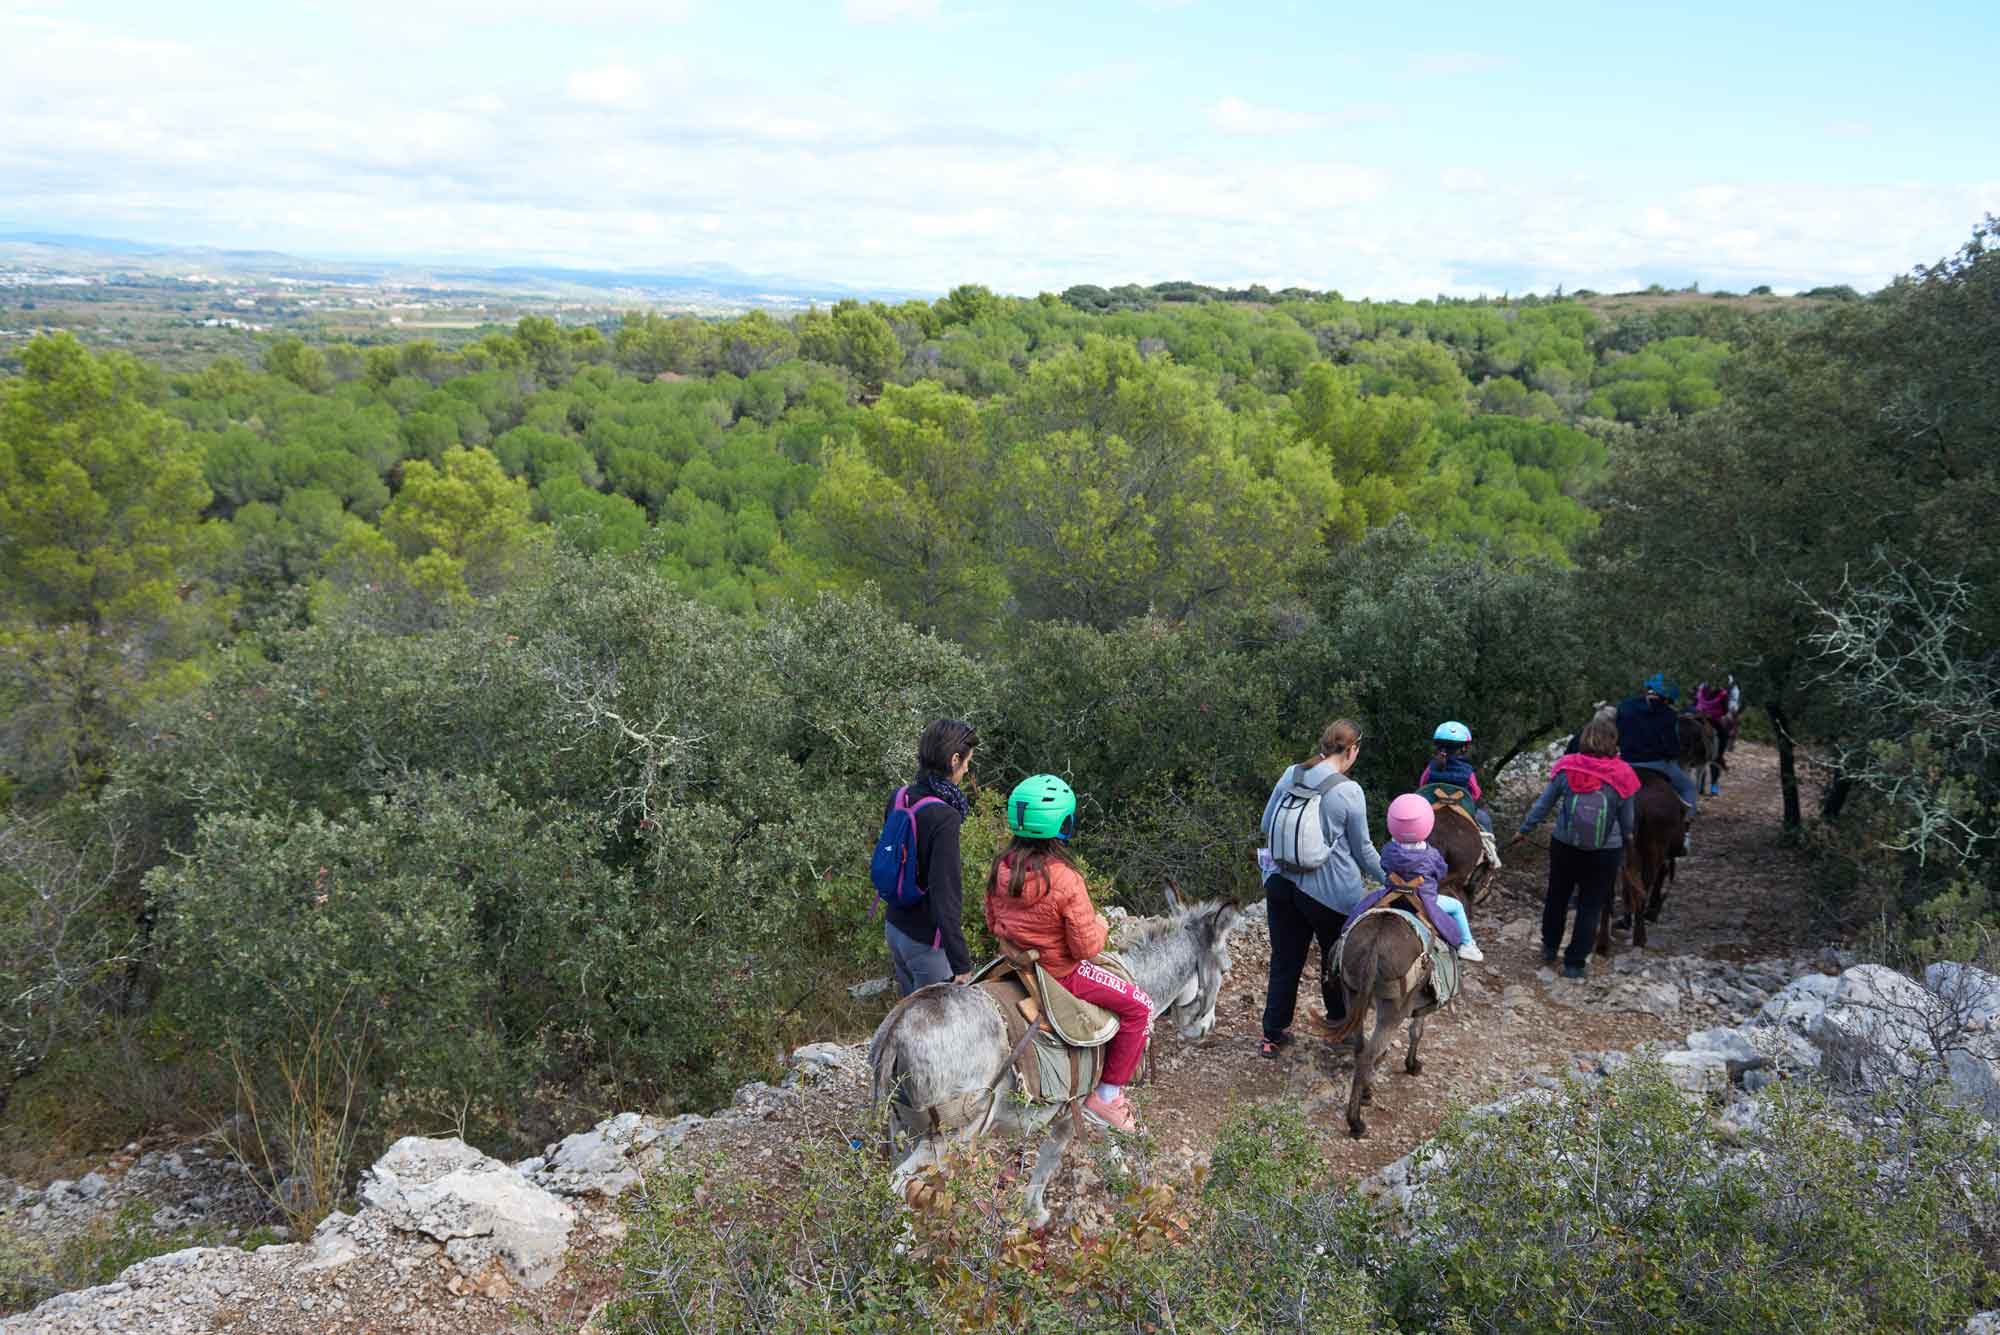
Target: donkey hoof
[(1413, 1066), (1367, 1096), (1356, 1127)]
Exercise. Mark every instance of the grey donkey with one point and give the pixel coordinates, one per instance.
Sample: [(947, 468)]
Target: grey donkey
[(945, 1046)]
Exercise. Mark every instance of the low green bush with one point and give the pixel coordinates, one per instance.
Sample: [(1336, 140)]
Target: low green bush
[(1265, 1244), (1627, 1209), (590, 842), (1624, 1209)]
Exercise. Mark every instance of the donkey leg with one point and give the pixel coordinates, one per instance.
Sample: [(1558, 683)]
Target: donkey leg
[(1603, 920), (1363, 1088), (1657, 900), (1410, 1062), (1048, 1157), (1357, 1094), (1636, 906)]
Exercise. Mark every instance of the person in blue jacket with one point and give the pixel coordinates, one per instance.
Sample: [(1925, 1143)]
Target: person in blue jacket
[(1649, 736)]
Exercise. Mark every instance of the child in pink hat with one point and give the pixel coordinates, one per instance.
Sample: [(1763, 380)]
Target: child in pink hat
[(1407, 856)]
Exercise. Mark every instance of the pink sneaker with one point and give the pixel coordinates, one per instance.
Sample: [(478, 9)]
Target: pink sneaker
[(1117, 1114)]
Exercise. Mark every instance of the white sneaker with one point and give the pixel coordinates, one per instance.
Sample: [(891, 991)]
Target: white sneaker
[(1471, 954)]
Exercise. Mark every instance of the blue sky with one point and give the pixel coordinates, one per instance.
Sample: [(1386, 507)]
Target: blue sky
[(1392, 151)]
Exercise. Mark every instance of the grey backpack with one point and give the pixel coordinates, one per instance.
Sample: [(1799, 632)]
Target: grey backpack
[(1589, 820), (1298, 830)]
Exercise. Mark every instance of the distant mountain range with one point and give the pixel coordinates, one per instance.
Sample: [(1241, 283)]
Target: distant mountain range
[(718, 280)]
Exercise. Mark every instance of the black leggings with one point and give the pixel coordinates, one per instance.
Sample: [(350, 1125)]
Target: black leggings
[(1588, 875), (1298, 920)]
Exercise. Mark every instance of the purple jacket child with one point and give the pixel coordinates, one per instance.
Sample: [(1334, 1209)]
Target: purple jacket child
[(1419, 860)]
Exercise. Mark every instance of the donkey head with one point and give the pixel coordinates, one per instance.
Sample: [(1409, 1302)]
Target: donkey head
[(1207, 927)]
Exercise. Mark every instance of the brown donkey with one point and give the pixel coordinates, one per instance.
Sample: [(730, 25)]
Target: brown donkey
[(1456, 835), (1383, 959), (1659, 821)]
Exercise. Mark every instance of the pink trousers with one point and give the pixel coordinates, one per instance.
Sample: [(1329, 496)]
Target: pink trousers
[(1134, 1009)]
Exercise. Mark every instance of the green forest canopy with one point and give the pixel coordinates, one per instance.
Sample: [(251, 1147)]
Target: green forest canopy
[(754, 459)]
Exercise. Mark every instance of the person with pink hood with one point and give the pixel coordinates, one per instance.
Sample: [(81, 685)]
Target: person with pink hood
[(1412, 866), (1591, 794)]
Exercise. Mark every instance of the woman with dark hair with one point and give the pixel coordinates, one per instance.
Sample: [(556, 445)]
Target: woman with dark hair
[(926, 940), (1316, 823)]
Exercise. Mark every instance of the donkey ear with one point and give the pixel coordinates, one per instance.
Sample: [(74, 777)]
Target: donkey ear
[(1226, 918), (1173, 898)]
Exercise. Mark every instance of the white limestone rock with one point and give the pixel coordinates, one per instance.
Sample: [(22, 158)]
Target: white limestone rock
[(481, 1210), (612, 1157)]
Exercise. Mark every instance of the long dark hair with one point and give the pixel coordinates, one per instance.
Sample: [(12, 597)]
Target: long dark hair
[(941, 741), (1022, 858)]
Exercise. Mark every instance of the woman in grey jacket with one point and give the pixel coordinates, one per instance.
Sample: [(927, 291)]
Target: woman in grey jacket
[(1311, 905)]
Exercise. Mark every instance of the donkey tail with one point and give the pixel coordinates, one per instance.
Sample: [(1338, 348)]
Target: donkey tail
[(1358, 980)]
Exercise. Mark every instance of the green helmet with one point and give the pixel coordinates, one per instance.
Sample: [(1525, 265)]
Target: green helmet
[(1042, 806)]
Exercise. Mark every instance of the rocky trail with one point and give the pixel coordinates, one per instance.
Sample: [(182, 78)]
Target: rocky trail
[(450, 1242)]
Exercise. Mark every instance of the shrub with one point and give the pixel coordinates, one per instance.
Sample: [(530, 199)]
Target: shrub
[(1623, 1209), (65, 929), (1404, 635), (1627, 1209), (590, 833), (1169, 734), (1265, 1245)]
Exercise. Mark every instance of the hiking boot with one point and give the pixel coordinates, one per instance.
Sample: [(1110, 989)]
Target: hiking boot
[(1572, 971), (1117, 1114), (1548, 954), (1471, 954)]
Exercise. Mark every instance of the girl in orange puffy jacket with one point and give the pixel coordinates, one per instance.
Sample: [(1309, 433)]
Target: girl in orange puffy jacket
[(1036, 900)]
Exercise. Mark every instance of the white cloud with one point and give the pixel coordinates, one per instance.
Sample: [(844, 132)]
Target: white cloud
[(610, 86), (640, 163), (1240, 117)]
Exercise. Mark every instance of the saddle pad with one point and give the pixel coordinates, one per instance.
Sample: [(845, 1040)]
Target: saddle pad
[(1074, 1020), (1451, 797), (1063, 1072), (1079, 1023), (1444, 975)]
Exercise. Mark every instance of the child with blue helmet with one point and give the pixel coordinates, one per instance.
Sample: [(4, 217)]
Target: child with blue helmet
[(1449, 764)]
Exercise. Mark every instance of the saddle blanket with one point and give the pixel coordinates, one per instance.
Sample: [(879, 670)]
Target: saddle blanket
[(1451, 795)]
